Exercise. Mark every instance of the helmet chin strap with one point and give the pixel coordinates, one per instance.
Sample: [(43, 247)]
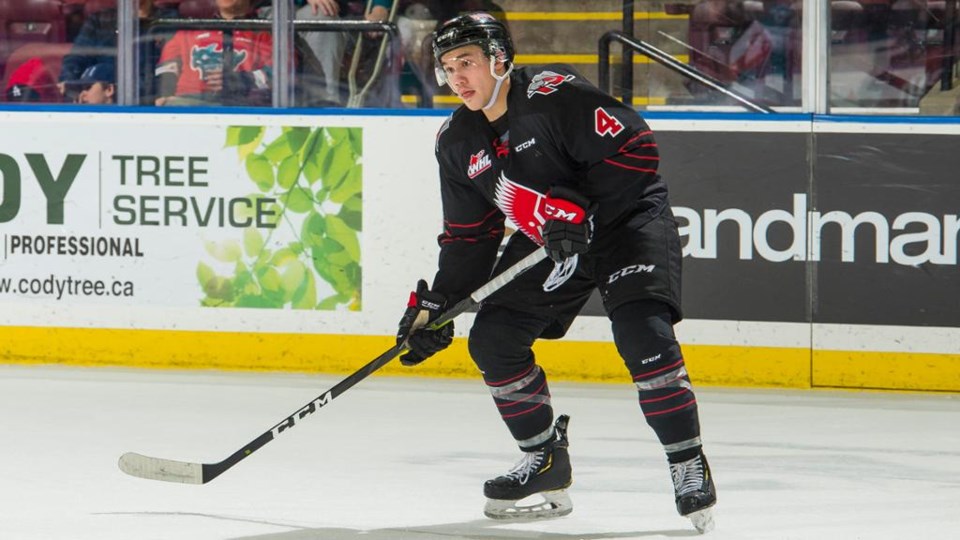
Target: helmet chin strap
[(499, 78)]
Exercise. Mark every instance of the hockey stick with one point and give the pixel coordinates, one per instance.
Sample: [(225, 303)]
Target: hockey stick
[(185, 472)]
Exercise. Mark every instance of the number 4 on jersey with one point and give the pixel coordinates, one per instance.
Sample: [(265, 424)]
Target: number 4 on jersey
[(606, 124)]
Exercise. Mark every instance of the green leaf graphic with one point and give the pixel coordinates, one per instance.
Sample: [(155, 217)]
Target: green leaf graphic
[(306, 295), (341, 160), (356, 141), (344, 235), (278, 150), (228, 251), (260, 171), (310, 242), (288, 172), (252, 241), (245, 138), (300, 200), (351, 185)]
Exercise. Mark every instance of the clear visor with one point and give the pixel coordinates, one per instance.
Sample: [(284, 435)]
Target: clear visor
[(440, 73), (460, 62)]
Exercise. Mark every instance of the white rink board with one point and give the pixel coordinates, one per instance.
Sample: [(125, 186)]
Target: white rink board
[(401, 219)]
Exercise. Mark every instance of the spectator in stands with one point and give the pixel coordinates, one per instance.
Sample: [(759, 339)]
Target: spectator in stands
[(329, 47), (32, 82), (97, 43), (228, 67), (97, 85)]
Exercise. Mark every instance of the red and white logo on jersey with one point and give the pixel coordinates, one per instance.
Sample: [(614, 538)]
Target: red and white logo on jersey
[(605, 124), (479, 162), (546, 83), (523, 206)]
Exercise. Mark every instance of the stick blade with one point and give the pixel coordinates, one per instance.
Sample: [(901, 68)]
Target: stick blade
[(166, 470)]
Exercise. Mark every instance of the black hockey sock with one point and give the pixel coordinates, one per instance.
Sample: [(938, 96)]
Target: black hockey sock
[(524, 404), (644, 335)]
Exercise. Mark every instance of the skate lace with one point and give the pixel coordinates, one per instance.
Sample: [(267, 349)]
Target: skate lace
[(687, 476), (527, 465)]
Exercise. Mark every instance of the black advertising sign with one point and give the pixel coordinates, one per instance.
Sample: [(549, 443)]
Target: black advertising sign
[(845, 228), (894, 260)]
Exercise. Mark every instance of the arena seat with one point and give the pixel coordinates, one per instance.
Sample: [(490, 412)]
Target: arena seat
[(27, 21), (30, 21)]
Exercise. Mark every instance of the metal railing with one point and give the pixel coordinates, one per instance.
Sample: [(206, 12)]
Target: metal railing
[(631, 44)]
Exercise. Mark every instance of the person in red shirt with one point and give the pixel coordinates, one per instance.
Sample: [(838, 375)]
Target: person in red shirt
[(228, 67)]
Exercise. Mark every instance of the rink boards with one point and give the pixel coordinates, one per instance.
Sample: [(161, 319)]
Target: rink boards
[(819, 252)]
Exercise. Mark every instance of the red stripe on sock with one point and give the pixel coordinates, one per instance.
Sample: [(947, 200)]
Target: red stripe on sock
[(530, 410), (518, 377), (677, 408)]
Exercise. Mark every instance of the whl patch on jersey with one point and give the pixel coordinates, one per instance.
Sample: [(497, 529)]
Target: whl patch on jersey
[(479, 162), (546, 83), (606, 123)]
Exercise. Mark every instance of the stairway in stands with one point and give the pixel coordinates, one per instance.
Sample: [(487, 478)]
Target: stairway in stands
[(568, 31)]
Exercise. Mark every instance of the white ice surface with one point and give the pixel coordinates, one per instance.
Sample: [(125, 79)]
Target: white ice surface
[(405, 458)]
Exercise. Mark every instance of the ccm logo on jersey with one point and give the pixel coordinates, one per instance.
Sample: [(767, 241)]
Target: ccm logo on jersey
[(479, 162), (632, 269), (605, 124), (546, 83), (524, 145)]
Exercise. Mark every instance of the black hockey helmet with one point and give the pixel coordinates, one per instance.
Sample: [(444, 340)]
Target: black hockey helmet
[(475, 28)]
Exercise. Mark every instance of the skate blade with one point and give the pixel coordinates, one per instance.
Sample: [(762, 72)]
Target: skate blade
[(702, 520), (545, 505)]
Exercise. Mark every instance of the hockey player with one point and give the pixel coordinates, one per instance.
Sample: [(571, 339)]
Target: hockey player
[(575, 171)]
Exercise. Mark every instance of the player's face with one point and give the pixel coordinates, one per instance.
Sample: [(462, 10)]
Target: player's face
[(468, 74)]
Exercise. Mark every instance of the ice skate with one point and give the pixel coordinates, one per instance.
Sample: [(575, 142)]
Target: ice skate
[(695, 492), (542, 476)]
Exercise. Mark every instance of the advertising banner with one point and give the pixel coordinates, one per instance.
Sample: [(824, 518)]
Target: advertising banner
[(843, 228), (220, 216)]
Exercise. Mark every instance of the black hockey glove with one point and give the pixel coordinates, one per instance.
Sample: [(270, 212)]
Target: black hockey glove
[(569, 226), (423, 308)]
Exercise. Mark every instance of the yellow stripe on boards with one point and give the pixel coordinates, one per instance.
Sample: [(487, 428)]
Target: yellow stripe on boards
[(564, 360), (748, 366), (190, 349), (890, 371)]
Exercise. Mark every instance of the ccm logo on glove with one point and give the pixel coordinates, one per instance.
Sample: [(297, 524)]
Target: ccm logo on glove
[(568, 229), (414, 331), (564, 210)]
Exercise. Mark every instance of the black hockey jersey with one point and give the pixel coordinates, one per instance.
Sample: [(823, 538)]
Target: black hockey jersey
[(559, 130)]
